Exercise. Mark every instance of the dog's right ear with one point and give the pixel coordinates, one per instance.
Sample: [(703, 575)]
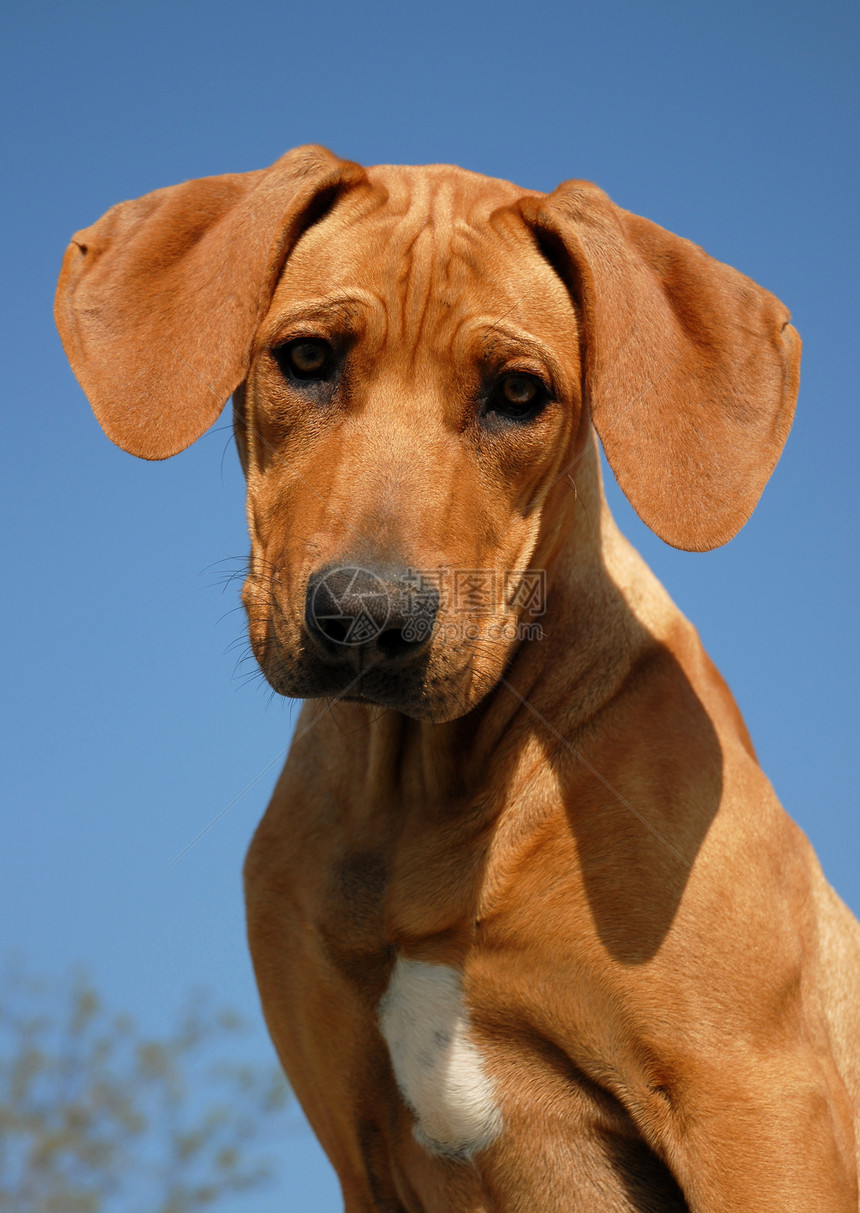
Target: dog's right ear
[(690, 370), (158, 302)]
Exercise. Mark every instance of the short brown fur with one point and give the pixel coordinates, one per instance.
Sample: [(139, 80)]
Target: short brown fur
[(663, 988)]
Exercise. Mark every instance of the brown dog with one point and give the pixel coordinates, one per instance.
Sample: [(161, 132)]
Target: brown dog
[(532, 932)]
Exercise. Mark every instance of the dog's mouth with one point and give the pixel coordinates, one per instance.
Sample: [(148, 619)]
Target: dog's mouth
[(441, 682), (434, 687), (421, 698)]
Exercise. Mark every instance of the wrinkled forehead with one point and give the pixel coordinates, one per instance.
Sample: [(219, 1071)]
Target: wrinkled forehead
[(429, 249)]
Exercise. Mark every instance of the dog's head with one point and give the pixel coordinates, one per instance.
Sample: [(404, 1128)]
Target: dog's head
[(417, 356)]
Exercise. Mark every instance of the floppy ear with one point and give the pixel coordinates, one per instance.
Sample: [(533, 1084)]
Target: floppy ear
[(690, 369), (158, 302)]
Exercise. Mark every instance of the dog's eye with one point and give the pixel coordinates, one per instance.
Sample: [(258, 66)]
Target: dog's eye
[(307, 358), (518, 396), (519, 391)]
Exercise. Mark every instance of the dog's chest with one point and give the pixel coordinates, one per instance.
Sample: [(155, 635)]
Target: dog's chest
[(380, 897), (437, 1060)]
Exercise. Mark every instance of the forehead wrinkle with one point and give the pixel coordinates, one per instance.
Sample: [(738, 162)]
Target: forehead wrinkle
[(510, 337), (424, 261), (337, 307), (470, 337)]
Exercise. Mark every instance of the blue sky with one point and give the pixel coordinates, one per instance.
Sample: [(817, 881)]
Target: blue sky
[(127, 727)]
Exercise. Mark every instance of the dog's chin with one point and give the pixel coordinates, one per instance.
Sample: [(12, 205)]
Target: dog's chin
[(416, 692)]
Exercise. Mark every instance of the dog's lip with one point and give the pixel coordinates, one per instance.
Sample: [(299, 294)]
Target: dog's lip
[(390, 696), (372, 663), (397, 689)]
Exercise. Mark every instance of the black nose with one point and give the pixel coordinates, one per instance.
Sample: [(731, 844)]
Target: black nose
[(370, 616)]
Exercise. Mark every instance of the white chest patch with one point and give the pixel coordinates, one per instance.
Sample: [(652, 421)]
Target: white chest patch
[(438, 1067)]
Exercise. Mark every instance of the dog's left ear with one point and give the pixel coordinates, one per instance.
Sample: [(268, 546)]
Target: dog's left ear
[(690, 372), (158, 302)]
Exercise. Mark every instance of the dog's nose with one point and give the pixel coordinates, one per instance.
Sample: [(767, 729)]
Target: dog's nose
[(370, 616)]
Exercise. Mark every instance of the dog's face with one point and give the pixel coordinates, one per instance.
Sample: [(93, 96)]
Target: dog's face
[(413, 379), (413, 396)]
